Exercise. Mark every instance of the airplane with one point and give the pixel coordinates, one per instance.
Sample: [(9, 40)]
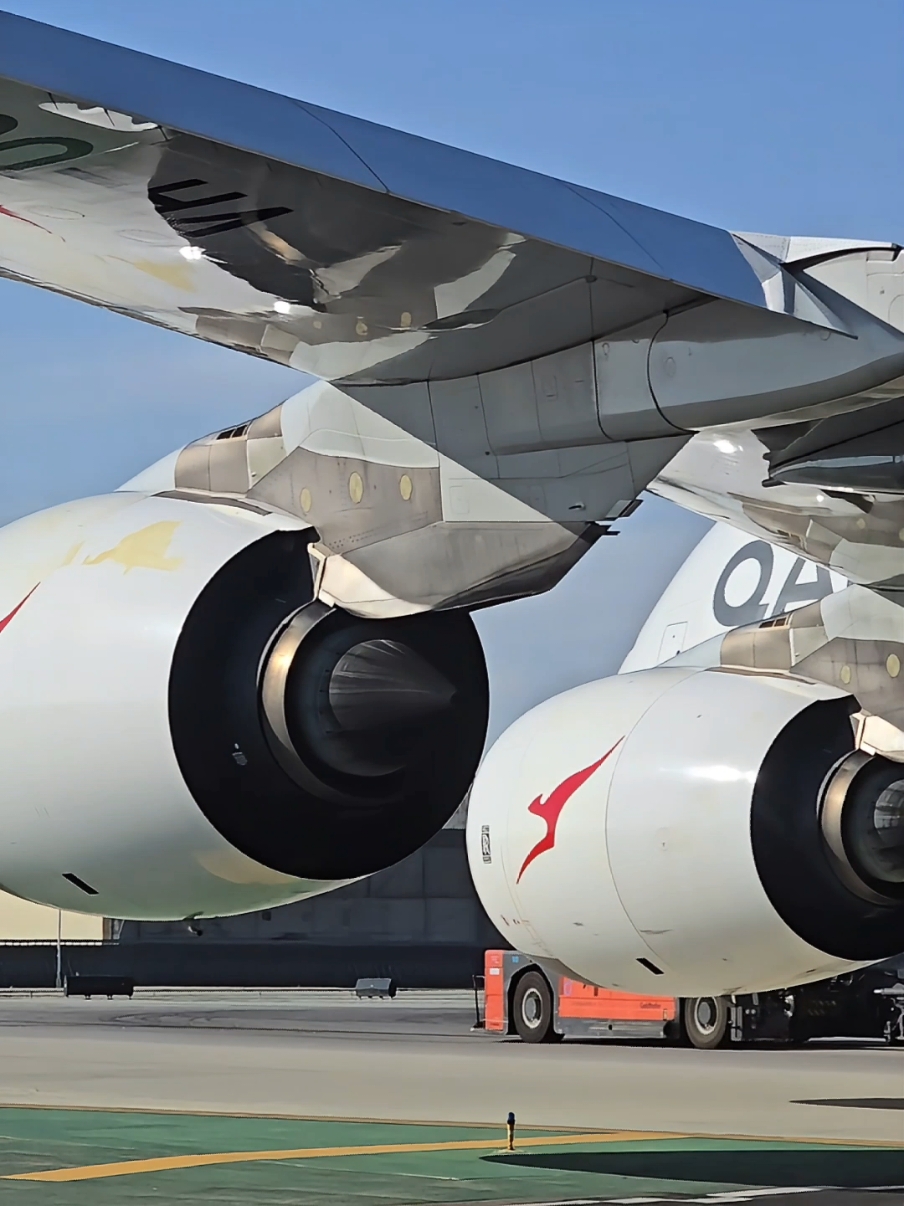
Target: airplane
[(702, 861), (251, 674)]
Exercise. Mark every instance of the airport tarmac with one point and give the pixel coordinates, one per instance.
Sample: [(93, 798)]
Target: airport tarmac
[(315, 1096)]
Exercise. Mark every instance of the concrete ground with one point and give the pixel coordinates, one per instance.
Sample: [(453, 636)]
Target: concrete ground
[(325, 1076)]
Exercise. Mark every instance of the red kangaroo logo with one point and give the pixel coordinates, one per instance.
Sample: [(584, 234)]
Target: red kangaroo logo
[(6, 619), (550, 809)]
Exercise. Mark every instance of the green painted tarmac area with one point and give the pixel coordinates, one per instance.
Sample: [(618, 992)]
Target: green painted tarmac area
[(112, 1150)]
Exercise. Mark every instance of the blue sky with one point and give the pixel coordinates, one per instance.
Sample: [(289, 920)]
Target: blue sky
[(776, 115)]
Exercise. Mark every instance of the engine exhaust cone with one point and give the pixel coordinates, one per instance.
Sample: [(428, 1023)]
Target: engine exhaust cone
[(381, 683), (351, 702)]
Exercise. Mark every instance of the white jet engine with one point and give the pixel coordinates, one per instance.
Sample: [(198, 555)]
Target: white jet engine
[(691, 832), (185, 733)]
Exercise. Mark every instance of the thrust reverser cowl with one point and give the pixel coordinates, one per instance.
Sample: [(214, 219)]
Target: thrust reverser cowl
[(660, 831), (141, 777)]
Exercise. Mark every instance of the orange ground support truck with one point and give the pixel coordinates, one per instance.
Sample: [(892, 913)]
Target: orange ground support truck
[(540, 1010), (523, 998)]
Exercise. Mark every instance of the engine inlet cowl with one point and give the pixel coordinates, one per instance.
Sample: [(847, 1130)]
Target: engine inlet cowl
[(322, 745)]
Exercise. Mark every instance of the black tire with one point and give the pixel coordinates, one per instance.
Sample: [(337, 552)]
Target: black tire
[(705, 1021), (673, 1033), (532, 1009)]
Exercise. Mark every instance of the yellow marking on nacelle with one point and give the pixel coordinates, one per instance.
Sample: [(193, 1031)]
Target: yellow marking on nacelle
[(177, 274), (237, 868), (144, 549)]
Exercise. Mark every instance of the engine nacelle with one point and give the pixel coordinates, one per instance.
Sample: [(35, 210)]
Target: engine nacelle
[(691, 832), (185, 733)]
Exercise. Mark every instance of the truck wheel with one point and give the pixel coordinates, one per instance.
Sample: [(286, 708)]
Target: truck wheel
[(532, 1009), (705, 1021)]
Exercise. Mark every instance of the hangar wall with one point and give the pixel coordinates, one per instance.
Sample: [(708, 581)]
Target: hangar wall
[(419, 922), (23, 921)]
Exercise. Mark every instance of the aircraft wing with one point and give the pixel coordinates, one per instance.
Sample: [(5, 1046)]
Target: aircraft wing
[(344, 248), (550, 346)]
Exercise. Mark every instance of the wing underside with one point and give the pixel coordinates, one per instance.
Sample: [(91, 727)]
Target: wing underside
[(340, 247)]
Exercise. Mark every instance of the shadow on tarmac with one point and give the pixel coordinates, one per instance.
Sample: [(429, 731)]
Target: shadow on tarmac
[(858, 1169)]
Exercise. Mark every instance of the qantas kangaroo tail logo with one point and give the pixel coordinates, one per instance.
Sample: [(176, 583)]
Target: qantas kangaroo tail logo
[(550, 809)]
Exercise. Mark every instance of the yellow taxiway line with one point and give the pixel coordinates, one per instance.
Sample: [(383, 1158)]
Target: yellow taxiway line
[(124, 1168)]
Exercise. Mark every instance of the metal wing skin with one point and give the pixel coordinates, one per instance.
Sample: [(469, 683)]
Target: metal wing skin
[(551, 347), (395, 258)]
